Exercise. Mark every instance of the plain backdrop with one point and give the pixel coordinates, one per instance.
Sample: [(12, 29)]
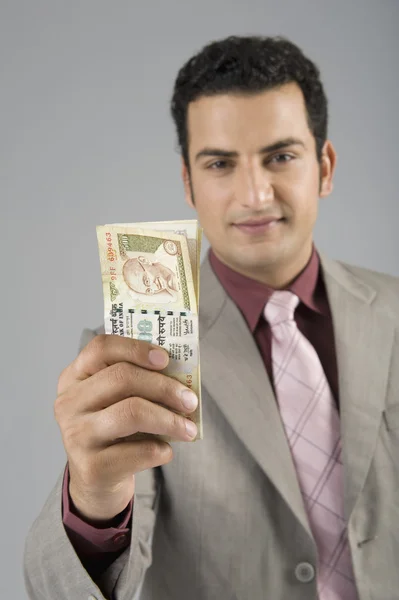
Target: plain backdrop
[(86, 139)]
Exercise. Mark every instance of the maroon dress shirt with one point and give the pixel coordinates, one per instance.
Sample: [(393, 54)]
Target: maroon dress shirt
[(98, 548)]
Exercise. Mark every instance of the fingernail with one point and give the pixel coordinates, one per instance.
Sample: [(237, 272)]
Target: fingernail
[(191, 429), (158, 358), (189, 400)]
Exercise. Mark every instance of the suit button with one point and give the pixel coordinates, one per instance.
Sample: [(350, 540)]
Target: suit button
[(304, 572)]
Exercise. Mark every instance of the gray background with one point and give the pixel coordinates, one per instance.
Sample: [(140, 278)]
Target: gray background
[(86, 139)]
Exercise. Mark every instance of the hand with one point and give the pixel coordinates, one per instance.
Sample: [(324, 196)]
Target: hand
[(110, 391)]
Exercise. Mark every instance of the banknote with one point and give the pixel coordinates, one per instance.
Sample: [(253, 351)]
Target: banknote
[(150, 277), (193, 234)]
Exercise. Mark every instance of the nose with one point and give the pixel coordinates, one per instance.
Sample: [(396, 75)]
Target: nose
[(255, 189)]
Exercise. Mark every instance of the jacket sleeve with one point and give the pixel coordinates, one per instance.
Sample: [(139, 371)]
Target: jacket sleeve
[(97, 547), (52, 568)]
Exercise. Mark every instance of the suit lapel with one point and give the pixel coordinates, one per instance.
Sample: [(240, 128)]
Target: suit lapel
[(233, 373), (364, 339)]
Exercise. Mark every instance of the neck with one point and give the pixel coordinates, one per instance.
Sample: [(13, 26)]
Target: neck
[(276, 276)]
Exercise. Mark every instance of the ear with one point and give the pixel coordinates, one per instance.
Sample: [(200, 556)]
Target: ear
[(328, 164), (187, 185)]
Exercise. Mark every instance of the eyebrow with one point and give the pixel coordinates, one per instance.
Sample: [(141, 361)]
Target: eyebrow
[(290, 141)]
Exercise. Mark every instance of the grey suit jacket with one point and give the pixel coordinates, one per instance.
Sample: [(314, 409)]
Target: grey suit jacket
[(225, 519)]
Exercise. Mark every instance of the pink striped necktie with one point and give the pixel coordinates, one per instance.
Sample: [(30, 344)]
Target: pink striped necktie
[(312, 427)]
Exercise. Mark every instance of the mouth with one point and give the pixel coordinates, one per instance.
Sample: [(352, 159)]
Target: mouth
[(259, 226)]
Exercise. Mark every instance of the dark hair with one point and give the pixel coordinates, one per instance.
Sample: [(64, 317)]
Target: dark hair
[(248, 65)]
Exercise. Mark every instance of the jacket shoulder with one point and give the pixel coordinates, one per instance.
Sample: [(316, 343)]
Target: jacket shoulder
[(385, 285)]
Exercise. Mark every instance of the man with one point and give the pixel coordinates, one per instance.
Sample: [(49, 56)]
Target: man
[(294, 491), (146, 278)]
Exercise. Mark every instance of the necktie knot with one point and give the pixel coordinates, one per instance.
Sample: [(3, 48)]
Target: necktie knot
[(281, 307)]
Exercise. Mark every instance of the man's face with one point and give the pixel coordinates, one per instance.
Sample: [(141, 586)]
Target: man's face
[(145, 277), (238, 184)]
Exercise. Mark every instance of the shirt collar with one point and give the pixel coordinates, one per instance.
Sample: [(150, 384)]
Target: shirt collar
[(251, 296)]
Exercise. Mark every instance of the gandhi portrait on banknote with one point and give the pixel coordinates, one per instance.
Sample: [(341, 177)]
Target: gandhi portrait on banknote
[(151, 279)]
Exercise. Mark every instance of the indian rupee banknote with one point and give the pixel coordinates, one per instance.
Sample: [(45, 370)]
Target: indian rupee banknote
[(150, 277)]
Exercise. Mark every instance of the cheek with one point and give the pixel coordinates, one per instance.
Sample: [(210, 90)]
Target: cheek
[(301, 192), (211, 218), (212, 201)]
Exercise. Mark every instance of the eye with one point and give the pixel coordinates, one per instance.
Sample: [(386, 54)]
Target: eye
[(285, 157), (218, 165)]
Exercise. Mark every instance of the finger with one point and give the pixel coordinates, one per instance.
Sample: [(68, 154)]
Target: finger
[(120, 460), (106, 350), (134, 415), (120, 381)]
